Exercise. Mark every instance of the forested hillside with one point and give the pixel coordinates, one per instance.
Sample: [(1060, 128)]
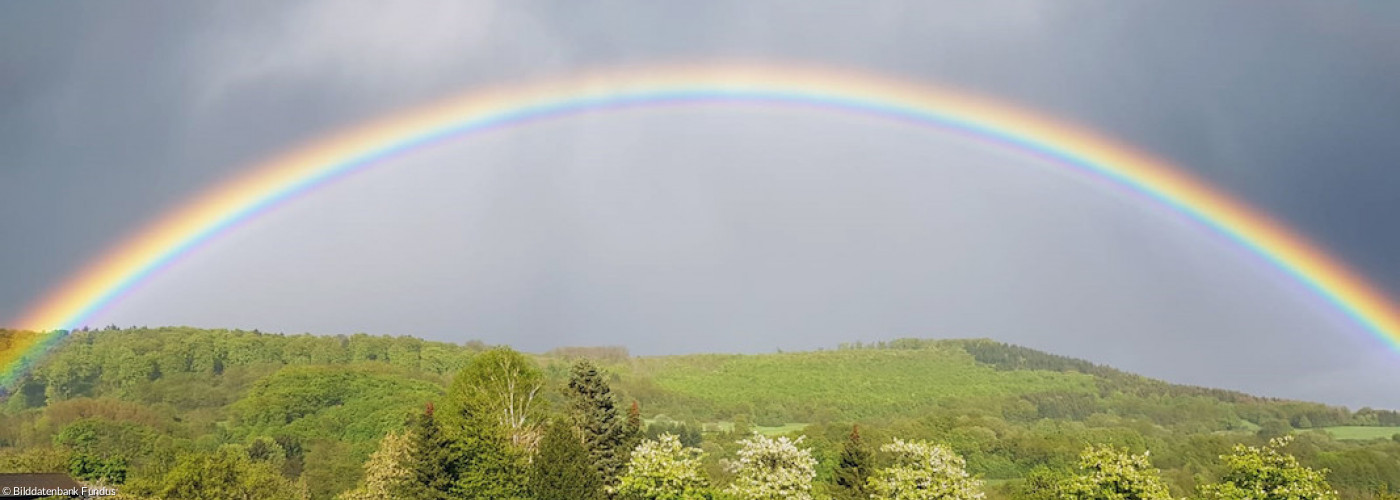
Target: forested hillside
[(161, 412)]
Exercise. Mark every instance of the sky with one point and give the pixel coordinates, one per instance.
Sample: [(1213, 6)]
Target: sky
[(726, 228)]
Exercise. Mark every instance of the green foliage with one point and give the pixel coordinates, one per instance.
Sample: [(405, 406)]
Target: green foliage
[(854, 469), (1019, 417), (853, 384), (355, 404), (1042, 483), (923, 471), (1274, 428), (500, 387), (387, 473), (225, 474), (772, 469), (563, 469), (330, 467), (437, 460), (1268, 474), (662, 469), (1361, 433), (689, 435), (1115, 474), (593, 409), (634, 427), (34, 459), (90, 468)]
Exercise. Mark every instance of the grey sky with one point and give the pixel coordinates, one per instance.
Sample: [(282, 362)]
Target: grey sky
[(729, 228)]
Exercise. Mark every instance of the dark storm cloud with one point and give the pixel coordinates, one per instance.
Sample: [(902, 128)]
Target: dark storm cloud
[(113, 113)]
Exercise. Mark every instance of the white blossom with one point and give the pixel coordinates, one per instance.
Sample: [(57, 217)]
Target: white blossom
[(923, 471), (771, 469)]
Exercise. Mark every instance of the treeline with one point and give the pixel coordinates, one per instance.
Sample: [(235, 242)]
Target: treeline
[(493, 435), (124, 362), (1116, 383), (316, 417)]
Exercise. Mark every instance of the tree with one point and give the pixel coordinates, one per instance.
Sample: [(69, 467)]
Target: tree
[(1274, 428), (491, 467), (1042, 483), (387, 473), (225, 474), (475, 461), (853, 470), (923, 471), (1268, 474), (742, 425), (102, 470), (593, 409), (562, 469), (634, 427), (662, 469), (500, 386), (772, 469), (436, 462), (1114, 474)]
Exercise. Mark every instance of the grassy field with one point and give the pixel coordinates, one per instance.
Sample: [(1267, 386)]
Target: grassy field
[(852, 384), (1362, 433), (767, 431)]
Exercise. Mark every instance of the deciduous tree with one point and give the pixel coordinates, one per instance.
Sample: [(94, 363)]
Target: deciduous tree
[(923, 471), (500, 386), (1268, 474), (662, 469), (772, 469), (1115, 474), (387, 473)]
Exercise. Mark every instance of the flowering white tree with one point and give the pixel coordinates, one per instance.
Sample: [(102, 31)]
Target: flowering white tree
[(923, 471), (1268, 474), (1114, 474), (663, 470), (772, 469)]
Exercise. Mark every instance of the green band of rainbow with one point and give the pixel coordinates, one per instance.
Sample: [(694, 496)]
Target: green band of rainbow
[(289, 175)]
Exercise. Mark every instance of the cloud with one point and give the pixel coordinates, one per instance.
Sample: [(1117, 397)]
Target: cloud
[(366, 49)]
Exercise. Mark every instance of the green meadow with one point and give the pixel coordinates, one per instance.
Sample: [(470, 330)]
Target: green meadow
[(1353, 432)]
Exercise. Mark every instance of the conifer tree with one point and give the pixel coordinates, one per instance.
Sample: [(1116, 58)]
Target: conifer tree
[(853, 471), (634, 426), (435, 464), (561, 470), (593, 408)]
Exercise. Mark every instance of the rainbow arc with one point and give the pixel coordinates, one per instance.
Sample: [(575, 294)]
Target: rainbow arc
[(291, 174)]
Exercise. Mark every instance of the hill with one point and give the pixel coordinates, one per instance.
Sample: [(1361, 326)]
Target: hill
[(150, 395)]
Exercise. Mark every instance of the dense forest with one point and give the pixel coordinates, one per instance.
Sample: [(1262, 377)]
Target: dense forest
[(182, 413)]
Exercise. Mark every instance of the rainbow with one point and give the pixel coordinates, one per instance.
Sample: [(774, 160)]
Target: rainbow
[(292, 174)]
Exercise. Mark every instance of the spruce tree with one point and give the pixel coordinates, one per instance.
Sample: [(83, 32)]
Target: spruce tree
[(634, 430), (852, 472), (594, 410), (561, 470), (434, 466)]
